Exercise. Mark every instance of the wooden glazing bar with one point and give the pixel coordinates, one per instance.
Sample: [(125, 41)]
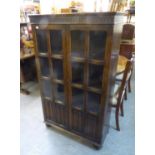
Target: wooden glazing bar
[(51, 66), (68, 73)]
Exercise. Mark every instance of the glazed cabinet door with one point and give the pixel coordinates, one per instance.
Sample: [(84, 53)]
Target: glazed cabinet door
[(86, 49), (51, 65)]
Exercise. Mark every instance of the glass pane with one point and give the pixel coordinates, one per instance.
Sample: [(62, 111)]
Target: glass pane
[(56, 41), (59, 92), (41, 41), (93, 102), (77, 72), (46, 86), (95, 75), (44, 67), (97, 44), (58, 69), (77, 98), (77, 43)]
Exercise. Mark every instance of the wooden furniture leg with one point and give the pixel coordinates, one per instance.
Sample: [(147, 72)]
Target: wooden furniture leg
[(122, 109), (117, 118), (120, 92), (125, 95)]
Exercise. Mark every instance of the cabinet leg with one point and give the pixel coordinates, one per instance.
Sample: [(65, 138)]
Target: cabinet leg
[(47, 125), (97, 147)]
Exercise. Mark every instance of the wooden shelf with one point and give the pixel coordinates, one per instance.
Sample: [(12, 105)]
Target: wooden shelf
[(59, 102), (77, 108), (81, 109), (95, 62), (77, 59), (43, 54), (58, 81), (92, 113), (47, 98), (76, 85), (95, 90), (26, 56), (91, 61), (45, 78), (91, 89), (57, 56)]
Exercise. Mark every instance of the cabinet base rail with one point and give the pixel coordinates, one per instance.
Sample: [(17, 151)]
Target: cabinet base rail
[(74, 134)]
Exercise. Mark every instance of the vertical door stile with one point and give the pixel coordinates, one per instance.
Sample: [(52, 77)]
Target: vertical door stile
[(64, 53), (51, 67), (37, 56), (67, 50), (86, 53), (36, 53), (37, 66)]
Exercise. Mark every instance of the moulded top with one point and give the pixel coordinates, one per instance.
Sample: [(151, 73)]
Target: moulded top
[(78, 18)]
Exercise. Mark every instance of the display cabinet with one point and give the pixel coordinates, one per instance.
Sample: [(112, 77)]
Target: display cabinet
[(76, 57)]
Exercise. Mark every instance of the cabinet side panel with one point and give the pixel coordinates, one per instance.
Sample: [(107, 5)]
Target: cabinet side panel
[(116, 36)]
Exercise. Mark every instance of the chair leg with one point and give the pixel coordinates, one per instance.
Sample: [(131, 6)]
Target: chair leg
[(117, 119), (122, 109), (125, 95), (129, 85)]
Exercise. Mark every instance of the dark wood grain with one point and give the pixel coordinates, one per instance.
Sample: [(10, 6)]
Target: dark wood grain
[(79, 18), (91, 119)]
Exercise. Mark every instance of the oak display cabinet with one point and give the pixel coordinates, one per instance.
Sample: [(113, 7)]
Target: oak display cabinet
[(76, 57)]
